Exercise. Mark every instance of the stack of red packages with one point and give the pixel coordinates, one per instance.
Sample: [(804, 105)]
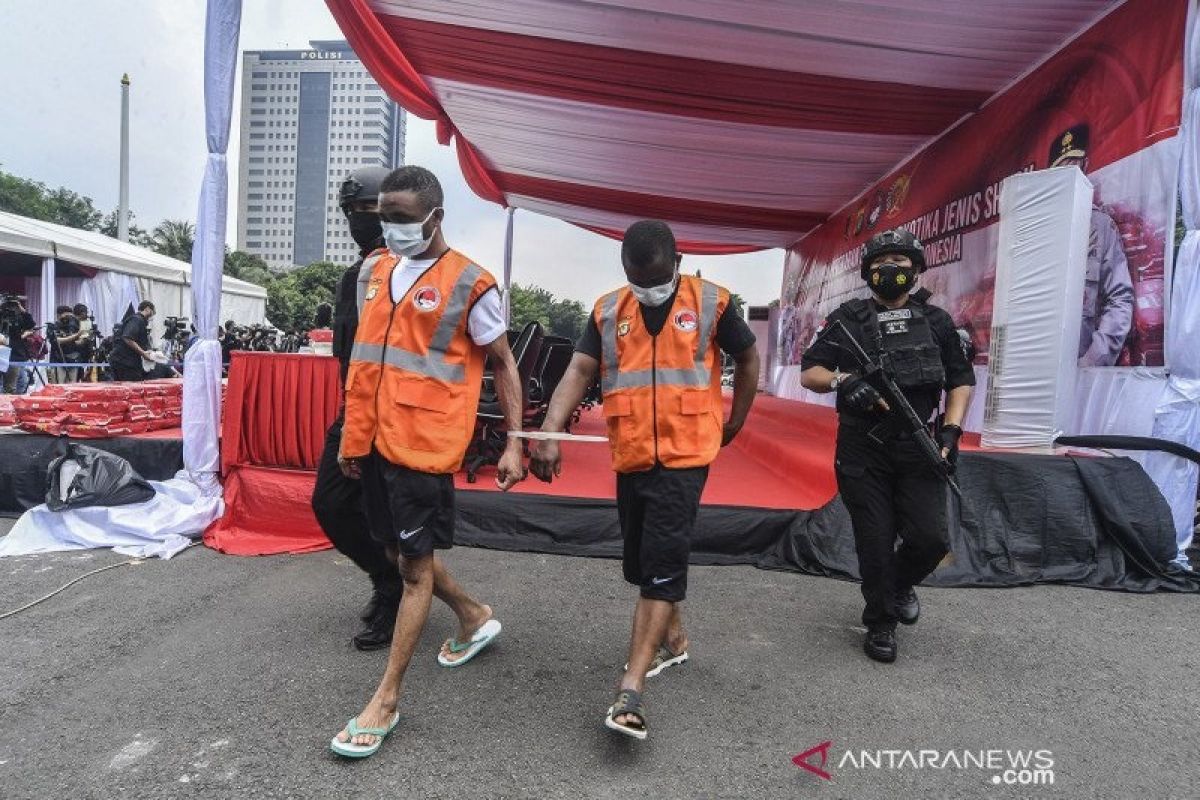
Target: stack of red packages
[(8, 417), (101, 410)]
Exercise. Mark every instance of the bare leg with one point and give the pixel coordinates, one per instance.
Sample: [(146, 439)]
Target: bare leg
[(470, 612), (651, 621), (676, 639), (410, 621)]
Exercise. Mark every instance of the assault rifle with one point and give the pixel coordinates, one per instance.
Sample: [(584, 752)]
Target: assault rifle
[(903, 417)]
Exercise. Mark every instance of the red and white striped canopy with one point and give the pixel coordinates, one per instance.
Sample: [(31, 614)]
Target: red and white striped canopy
[(743, 123)]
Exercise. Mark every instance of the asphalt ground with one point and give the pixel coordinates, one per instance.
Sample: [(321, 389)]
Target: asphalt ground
[(218, 676)]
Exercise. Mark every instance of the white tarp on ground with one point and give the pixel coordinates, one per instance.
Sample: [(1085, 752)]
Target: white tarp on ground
[(163, 526), (160, 279)]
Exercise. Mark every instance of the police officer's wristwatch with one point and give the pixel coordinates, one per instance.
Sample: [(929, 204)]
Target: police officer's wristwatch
[(836, 380)]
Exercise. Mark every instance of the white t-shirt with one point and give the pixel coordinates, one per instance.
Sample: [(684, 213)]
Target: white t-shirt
[(486, 323)]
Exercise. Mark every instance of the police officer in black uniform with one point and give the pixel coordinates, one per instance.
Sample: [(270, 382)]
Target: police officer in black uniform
[(887, 487), (337, 500)]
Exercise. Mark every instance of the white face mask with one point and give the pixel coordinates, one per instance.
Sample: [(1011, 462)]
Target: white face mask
[(655, 296), (405, 238)]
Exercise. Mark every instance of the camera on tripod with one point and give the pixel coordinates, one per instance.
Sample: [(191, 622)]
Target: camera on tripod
[(176, 329)]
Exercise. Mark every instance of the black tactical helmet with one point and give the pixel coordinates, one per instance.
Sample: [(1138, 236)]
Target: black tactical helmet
[(895, 241), (361, 184)]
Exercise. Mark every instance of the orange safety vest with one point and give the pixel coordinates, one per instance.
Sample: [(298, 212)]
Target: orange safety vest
[(662, 394), (413, 386)]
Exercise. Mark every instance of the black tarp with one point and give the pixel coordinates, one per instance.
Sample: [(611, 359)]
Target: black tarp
[(1097, 522), (87, 476), (24, 459)]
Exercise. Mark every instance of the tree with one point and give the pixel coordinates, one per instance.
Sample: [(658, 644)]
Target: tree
[(292, 299), (247, 267), (137, 235), (174, 238), (73, 210), (24, 197), (737, 304), (527, 304), (567, 319)]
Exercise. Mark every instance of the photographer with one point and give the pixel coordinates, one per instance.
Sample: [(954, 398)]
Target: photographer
[(64, 336), (18, 327), (133, 345), (87, 338)]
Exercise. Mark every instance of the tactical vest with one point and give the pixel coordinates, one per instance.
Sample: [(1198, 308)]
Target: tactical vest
[(415, 374), (901, 340), (662, 394)]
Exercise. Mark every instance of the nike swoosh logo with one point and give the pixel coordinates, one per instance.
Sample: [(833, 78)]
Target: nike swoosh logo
[(407, 534), (659, 581)]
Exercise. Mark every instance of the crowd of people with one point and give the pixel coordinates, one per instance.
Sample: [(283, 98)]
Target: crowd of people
[(71, 348)]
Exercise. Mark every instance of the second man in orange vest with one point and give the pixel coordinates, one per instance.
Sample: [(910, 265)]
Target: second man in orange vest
[(655, 343)]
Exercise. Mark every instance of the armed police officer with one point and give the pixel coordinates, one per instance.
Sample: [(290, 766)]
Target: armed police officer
[(337, 500), (889, 487)]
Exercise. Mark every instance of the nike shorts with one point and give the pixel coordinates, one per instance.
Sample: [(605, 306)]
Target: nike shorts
[(408, 511), (658, 510)]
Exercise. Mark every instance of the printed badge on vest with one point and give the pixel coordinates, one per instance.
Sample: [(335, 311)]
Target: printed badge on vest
[(373, 288), (427, 298), (686, 320)]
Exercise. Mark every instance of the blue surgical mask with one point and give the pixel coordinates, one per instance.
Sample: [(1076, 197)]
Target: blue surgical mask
[(655, 296), (407, 238)]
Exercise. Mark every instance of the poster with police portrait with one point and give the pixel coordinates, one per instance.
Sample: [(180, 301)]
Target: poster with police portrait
[(1110, 104)]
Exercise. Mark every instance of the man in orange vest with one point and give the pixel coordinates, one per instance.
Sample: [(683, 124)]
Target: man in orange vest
[(655, 344), (428, 317)]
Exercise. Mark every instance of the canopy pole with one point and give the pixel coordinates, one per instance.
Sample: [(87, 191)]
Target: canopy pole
[(508, 251), (48, 301)]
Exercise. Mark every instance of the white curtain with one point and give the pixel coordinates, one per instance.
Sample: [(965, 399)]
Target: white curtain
[(202, 365), (1178, 415)]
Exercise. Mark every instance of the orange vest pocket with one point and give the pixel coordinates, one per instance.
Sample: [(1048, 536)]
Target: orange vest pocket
[(695, 402)]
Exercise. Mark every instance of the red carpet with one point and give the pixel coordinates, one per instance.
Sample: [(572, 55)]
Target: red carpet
[(782, 459)]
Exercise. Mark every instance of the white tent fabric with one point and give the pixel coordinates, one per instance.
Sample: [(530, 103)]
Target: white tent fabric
[(161, 526), (202, 370), (122, 267), (1178, 415)]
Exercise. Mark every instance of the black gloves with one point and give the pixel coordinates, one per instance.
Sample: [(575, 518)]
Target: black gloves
[(948, 437), (858, 394)]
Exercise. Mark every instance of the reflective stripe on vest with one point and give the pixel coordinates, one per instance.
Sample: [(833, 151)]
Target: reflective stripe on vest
[(432, 364), (613, 378)]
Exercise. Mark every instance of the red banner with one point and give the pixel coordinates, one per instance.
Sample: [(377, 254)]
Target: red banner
[(1109, 102)]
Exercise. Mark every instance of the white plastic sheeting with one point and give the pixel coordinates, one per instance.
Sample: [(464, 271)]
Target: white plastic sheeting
[(161, 527), (1045, 220), (1178, 414), (202, 365)]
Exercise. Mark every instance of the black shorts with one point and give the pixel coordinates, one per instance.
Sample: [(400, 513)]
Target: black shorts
[(407, 510), (658, 511)]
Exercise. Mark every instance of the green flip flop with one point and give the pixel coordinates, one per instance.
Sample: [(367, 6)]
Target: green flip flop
[(351, 750)]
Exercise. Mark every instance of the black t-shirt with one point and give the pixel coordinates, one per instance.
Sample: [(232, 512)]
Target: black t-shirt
[(22, 323), (137, 329), (345, 315), (733, 334), (924, 401)]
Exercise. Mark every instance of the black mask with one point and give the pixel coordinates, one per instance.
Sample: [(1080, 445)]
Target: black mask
[(365, 228), (891, 281)]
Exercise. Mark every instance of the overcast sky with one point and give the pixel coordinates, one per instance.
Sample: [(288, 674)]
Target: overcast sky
[(60, 93)]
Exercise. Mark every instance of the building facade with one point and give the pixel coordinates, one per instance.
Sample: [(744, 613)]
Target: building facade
[(309, 117)]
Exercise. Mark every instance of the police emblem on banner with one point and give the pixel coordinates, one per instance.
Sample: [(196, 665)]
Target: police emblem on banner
[(686, 320), (427, 298)]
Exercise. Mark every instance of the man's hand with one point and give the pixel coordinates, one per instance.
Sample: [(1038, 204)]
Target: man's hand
[(350, 467), (510, 470), (729, 431), (860, 395), (949, 436), (546, 463)]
